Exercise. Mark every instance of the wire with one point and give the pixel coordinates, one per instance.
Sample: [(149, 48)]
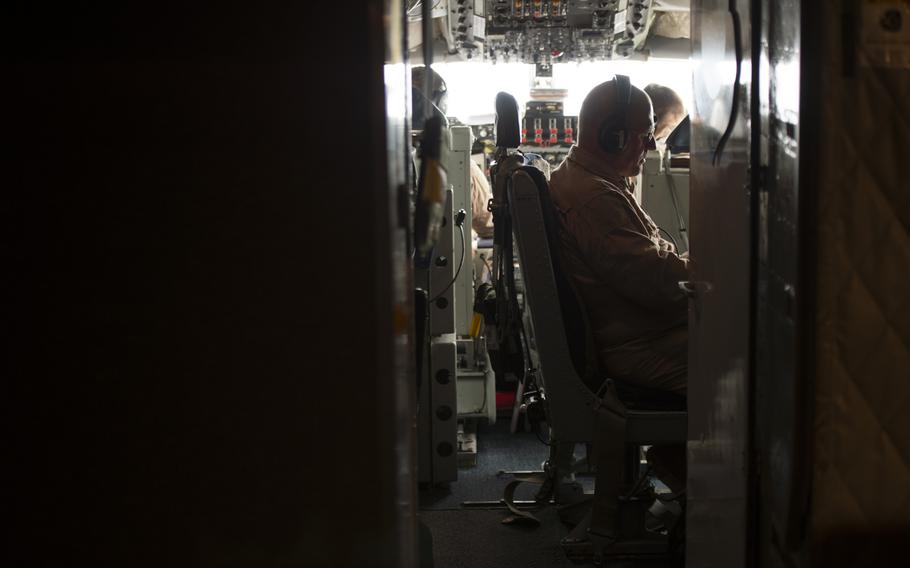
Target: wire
[(489, 266), (541, 440), (415, 7), (517, 310), (734, 110), (666, 232), (457, 272), (529, 368), (683, 231), (638, 484)]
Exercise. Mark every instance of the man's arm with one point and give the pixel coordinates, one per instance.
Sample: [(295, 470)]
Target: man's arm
[(481, 218), (620, 252)]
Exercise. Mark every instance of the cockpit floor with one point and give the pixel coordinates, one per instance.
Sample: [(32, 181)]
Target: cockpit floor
[(474, 537), (497, 450)]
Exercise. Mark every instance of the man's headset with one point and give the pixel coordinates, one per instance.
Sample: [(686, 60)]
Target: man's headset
[(612, 135)]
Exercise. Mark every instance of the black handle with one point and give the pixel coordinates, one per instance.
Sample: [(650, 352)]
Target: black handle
[(734, 105)]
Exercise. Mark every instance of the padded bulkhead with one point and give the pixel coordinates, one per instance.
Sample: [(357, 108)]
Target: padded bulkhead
[(861, 430)]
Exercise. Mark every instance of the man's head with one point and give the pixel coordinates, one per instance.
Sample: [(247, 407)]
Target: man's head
[(601, 111), (438, 90), (668, 109)]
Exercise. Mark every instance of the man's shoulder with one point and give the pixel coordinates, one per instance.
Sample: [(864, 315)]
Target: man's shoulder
[(576, 188)]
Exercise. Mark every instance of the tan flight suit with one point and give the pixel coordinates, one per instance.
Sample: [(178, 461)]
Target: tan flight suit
[(481, 218), (627, 276)]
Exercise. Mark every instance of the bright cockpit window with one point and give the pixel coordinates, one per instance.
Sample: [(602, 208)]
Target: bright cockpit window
[(472, 86)]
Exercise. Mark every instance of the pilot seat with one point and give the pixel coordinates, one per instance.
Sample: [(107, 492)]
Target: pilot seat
[(581, 405)]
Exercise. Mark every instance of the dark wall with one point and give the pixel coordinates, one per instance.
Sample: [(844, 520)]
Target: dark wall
[(196, 360), (782, 330)]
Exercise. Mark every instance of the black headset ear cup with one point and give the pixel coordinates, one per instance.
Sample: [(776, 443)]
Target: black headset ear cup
[(612, 133), (606, 137)]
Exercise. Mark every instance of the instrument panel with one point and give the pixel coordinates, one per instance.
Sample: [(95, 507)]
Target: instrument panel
[(556, 31)]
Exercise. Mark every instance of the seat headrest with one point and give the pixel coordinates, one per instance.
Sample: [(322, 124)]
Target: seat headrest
[(507, 127)]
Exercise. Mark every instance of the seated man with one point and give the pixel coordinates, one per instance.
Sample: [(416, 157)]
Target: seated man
[(668, 110), (481, 219), (668, 113), (626, 274)]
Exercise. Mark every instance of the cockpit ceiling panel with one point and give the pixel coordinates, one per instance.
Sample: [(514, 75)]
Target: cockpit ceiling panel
[(674, 25), (543, 31), (672, 5), (555, 31)]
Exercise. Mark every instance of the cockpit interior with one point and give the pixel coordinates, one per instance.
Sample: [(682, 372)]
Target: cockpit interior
[(458, 283)]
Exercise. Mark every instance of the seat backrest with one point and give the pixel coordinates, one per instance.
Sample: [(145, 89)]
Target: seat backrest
[(575, 321), (549, 294)]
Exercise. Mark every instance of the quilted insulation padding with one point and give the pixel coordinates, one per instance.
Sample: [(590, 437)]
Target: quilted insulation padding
[(861, 445)]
